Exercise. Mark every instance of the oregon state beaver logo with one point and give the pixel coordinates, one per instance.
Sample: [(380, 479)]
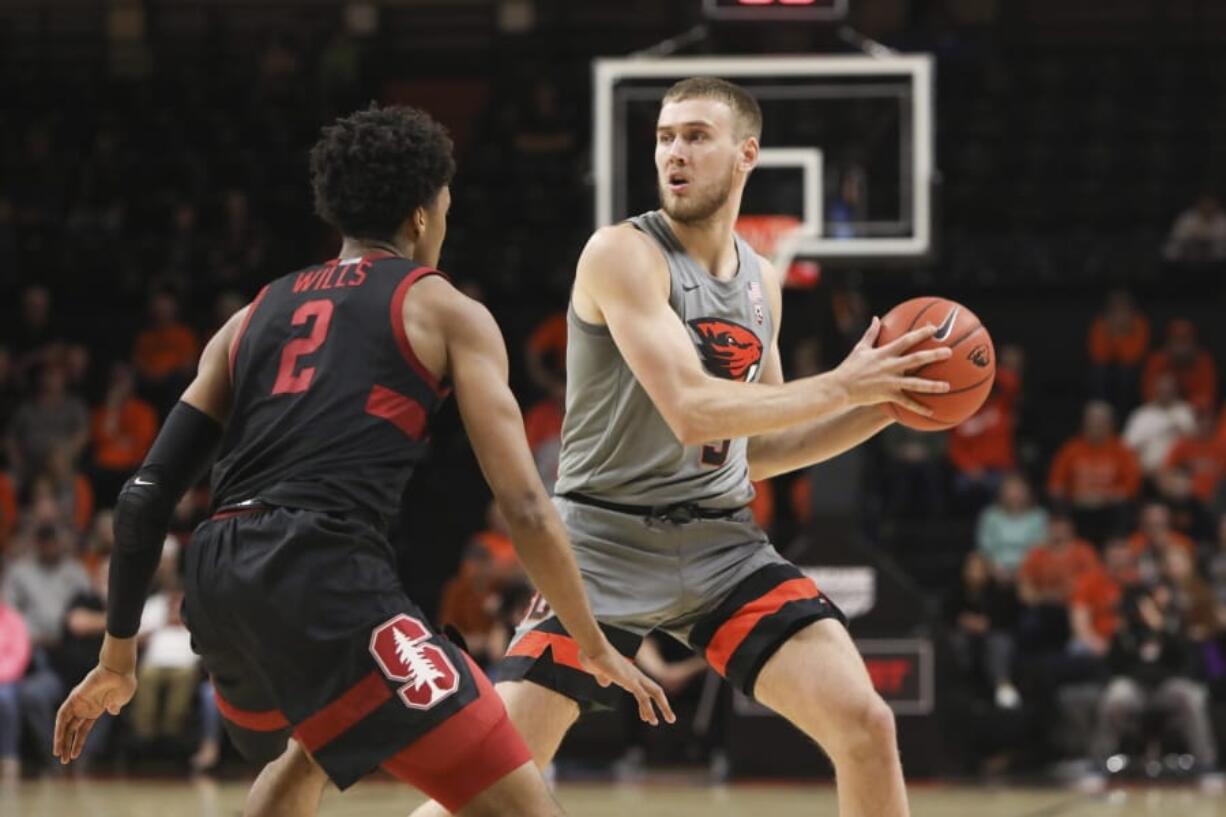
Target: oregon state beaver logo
[(728, 349), (979, 356)]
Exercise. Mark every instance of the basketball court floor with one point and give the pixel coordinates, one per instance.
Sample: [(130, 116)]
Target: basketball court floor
[(377, 798)]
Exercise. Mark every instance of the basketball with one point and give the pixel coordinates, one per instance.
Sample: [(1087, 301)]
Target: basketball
[(970, 371)]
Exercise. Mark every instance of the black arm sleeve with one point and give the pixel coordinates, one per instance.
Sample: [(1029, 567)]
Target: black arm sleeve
[(183, 449)]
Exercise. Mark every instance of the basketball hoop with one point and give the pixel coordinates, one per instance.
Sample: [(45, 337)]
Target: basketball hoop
[(778, 237)]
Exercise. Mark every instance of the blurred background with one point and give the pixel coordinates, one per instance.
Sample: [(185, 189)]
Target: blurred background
[(1039, 592)]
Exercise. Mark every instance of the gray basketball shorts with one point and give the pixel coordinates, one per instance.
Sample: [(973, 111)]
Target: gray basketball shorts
[(716, 585)]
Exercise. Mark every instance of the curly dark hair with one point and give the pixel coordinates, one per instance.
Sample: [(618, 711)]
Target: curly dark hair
[(372, 169)]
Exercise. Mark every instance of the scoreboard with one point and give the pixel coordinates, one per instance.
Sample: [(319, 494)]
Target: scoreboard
[(782, 10)]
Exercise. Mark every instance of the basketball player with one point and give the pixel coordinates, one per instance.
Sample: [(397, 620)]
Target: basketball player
[(660, 444), (320, 394)]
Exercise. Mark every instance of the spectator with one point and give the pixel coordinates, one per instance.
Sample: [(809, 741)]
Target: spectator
[(36, 336), (240, 244), (981, 613), (71, 491), (41, 587), (1153, 427), (1199, 233), (166, 350), (123, 428), (1118, 341), (1094, 611), (1010, 527), (52, 418), (1153, 537), (168, 673), (470, 598), (1192, 366), (1150, 663), (1095, 474), (14, 658), (1189, 516), (1193, 595), (981, 449), (1051, 570), (1201, 455)]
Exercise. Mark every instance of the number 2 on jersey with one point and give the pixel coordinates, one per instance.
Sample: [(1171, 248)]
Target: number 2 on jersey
[(289, 381)]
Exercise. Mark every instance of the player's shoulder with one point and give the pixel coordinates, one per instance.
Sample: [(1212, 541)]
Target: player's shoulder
[(619, 243), (620, 255)]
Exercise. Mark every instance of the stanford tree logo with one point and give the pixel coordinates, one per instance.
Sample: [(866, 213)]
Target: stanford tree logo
[(402, 648)]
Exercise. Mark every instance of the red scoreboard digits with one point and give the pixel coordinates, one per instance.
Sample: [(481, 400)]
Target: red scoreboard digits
[(767, 10)]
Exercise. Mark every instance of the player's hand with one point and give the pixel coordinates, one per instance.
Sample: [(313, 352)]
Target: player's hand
[(879, 375), (611, 667), (102, 691)]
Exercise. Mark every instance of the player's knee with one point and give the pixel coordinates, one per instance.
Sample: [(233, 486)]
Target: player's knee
[(866, 729)]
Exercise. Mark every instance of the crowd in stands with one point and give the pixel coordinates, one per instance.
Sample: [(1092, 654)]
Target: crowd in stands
[(1097, 570), (1103, 587)]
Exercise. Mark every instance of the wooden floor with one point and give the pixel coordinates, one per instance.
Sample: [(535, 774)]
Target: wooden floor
[(93, 798)]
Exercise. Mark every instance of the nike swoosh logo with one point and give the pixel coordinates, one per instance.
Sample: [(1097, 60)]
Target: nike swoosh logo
[(139, 481), (690, 288), (947, 325)]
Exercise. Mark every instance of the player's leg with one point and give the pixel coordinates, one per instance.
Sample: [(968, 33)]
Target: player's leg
[(777, 638), (290, 786), (818, 681), (542, 717)]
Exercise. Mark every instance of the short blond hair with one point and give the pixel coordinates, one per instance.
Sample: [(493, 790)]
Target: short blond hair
[(746, 109)]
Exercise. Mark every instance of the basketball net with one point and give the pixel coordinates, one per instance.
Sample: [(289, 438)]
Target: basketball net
[(778, 238)]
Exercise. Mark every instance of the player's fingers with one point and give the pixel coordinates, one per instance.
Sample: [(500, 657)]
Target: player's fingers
[(78, 738), (922, 385), (661, 701), (870, 334), (911, 404), (908, 339), (647, 712), (916, 360)]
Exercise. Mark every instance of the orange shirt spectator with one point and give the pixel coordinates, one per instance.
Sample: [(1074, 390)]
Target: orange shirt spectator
[(1203, 456), (167, 346), (1099, 594), (122, 434), (1052, 571), (985, 441), (1089, 473), (1123, 341), (164, 350), (1154, 533), (1192, 366)]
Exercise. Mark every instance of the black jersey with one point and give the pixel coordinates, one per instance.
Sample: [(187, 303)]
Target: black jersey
[(331, 406)]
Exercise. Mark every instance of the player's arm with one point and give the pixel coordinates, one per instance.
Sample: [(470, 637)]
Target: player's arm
[(183, 449), (624, 279), (477, 365), (800, 446)]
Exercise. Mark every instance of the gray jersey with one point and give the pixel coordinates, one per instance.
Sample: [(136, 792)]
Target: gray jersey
[(615, 444)]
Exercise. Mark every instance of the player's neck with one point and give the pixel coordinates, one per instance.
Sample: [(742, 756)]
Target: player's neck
[(710, 241), (356, 247)]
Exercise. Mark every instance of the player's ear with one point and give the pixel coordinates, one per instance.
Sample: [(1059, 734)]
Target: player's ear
[(750, 149)]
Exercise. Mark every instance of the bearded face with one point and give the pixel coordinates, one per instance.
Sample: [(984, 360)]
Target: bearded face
[(701, 198)]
